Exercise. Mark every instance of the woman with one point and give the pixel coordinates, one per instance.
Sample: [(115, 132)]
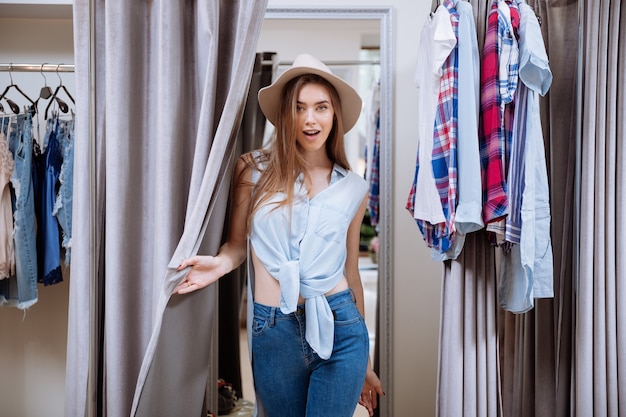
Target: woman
[(300, 209)]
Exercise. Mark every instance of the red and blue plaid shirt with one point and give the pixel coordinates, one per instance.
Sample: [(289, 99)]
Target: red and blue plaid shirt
[(374, 179), (497, 108)]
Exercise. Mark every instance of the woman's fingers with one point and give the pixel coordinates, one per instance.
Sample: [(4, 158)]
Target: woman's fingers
[(186, 286), (366, 401), (204, 270), (187, 262)]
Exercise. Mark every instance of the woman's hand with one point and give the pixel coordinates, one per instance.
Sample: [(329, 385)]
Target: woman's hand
[(204, 270), (372, 388)]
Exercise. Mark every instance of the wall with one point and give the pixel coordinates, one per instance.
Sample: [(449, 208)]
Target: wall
[(32, 345)]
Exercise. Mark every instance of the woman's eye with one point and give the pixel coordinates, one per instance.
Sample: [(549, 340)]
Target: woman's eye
[(299, 108), (322, 108)]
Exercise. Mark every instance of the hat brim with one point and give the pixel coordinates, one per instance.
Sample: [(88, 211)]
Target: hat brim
[(270, 97)]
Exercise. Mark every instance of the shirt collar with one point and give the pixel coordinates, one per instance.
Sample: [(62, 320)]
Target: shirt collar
[(338, 173)]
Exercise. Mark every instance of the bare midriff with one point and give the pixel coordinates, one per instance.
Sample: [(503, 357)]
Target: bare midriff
[(267, 288)]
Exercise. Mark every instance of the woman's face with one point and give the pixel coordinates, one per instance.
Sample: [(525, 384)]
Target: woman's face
[(314, 117)]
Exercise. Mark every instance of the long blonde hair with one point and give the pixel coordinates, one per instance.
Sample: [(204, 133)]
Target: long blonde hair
[(282, 163)]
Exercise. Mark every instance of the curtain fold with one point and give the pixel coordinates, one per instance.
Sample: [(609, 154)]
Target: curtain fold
[(601, 332), (537, 361), (468, 381), (87, 240), (171, 80)]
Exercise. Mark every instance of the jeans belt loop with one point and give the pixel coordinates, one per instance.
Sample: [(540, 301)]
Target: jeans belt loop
[(272, 317)]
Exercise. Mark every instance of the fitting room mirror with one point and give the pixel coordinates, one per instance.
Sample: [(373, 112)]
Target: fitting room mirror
[(356, 43)]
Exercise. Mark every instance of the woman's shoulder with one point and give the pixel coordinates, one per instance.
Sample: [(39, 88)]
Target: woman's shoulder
[(252, 163), (355, 178), (352, 181)]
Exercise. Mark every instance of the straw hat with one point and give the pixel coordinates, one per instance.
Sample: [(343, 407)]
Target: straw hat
[(269, 97)]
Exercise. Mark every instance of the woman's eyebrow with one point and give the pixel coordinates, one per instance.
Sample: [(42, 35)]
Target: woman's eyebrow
[(319, 102)]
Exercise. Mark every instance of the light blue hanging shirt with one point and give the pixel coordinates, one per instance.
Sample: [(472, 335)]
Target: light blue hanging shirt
[(305, 248)]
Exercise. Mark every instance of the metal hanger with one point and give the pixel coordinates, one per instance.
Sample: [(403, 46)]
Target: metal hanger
[(55, 98), (14, 107), (45, 92)]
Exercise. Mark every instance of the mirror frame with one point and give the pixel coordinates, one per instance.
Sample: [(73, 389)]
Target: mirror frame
[(384, 335)]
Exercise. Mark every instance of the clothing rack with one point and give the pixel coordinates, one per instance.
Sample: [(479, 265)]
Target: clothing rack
[(340, 63), (70, 67), (36, 67)]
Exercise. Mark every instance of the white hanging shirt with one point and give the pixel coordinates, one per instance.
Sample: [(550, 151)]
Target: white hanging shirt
[(436, 42)]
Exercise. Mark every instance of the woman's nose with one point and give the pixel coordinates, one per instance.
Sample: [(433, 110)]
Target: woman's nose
[(310, 115)]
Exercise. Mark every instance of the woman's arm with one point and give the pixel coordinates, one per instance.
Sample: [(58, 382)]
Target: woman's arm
[(206, 270), (372, 386), (352, 259)]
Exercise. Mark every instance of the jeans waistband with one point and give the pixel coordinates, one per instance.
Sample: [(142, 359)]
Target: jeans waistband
[(341, 298)]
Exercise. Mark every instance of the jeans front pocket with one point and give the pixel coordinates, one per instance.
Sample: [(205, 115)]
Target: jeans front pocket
[(346, 314), (262, 319)]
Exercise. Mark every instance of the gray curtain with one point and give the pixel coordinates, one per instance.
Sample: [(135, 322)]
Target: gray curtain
[(600, 361), (170, 81), (538, 346), (468, 380), (532, 352)]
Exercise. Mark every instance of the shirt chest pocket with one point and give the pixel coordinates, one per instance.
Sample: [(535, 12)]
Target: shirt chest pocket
[(331, 224)]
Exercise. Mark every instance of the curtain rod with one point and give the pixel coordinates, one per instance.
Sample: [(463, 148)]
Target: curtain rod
[(36, 67), (340, 63)]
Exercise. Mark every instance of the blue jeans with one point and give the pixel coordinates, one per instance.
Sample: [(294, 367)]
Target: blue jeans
[(49, 251), (290, 378), (21, 290), (63, 205)]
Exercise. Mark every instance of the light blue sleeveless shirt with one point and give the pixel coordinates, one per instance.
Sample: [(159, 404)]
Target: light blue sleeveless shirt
[(305, 248)]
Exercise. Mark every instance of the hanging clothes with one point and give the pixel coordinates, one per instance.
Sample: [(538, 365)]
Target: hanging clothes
[(468, 217), (527, 270), (499, 75), (62, 209), (446, 238), (463, 205), (35, 206), (508, 75), (372, 154), (48, 234), (20, 290), (53, 171), (7, 256), (481, 148), (437, 40), (444, 151)]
